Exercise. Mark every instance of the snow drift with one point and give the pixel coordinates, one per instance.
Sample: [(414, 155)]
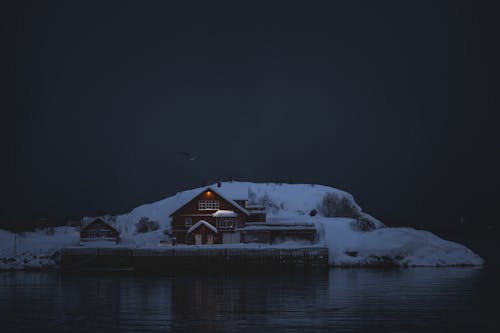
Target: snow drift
[(353, 237), (391, 247)]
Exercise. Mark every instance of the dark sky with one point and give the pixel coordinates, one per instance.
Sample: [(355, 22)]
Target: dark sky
[(396, 102)]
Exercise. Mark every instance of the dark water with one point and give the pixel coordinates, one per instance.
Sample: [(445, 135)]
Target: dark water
[(341, 300)]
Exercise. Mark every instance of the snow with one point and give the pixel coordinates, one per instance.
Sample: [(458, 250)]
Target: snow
[(286, 203), (33, 250), (199, 223), (224, 213), (193, 193), (399, 246)]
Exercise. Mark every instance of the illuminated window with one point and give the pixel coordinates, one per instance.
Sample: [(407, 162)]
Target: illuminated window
[(188, 222), (208, 204), (225, 222)]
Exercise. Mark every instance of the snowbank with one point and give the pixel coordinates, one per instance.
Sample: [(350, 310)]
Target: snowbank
[(34, 250), (289, 203), (390, 247)]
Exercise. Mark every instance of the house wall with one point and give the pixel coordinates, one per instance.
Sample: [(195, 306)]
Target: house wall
[(241, 202), (191, 209), (278, 236), (256, 237), (257, 217), (293, 235), (204, 231), (98, 229)]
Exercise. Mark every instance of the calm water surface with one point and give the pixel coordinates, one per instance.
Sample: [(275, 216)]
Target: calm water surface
[(341, 300)]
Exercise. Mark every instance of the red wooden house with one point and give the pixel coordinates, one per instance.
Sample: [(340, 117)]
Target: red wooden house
[(209, 218), (212, 218)]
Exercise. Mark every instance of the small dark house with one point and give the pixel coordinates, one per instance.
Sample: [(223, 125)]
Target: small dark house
[(98, 229)]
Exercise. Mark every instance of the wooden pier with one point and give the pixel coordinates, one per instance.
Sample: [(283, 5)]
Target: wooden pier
[(214, 258)]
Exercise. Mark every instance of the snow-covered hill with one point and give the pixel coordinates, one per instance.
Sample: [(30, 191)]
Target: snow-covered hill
[(290, 202), (391, 246), (348, 245)]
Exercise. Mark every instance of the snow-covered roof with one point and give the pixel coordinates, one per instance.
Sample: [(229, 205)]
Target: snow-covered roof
[(224, 213), (231, 201), (202, 222), (96, 221)]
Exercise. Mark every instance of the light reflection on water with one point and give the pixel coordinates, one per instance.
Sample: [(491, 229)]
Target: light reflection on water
[(342, 300)]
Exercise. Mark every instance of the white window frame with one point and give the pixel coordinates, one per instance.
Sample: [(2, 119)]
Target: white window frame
[(188, 222), (225, 222), (208, 205)]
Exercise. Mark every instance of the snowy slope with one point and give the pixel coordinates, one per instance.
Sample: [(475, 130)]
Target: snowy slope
[(291, 202), (390, 246), (284, 202), (34, 249)]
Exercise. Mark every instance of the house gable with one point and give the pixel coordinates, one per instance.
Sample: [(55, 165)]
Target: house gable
[(208, 194), (98, 229), (216, 212), (99, 224), (200, 224)]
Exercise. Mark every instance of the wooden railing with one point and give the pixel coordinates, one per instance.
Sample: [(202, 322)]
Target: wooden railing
[(191, 257)]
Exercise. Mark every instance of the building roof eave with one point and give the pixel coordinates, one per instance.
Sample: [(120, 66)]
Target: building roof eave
[(199, 224), (232, 202)]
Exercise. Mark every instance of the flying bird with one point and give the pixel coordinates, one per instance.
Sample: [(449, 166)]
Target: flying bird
[(188, 156)]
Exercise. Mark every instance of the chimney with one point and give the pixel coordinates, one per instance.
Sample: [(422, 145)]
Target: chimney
[(218, 184)]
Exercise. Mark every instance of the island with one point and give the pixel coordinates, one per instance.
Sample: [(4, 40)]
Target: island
[(225, 220)]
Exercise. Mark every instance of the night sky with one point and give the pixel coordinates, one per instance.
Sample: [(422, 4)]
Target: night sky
[(395, 102)]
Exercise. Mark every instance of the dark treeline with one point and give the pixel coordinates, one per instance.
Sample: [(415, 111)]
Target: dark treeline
[(31, 223)]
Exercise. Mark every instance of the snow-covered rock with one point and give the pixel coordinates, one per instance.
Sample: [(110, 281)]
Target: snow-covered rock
[(390, 247)]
